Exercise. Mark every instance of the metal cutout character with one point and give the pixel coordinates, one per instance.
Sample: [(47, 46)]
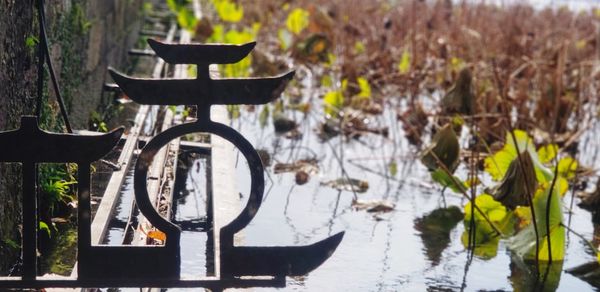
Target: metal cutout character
[(159, 266), (29, 145), (204, 92)]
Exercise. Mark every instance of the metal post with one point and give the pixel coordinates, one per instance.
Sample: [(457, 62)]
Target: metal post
[(29, 221)]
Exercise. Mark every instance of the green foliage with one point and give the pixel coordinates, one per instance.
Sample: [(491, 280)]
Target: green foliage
[(185, 16), (11, 243), (297, 20), (55, 183), (567, 167), (176, 5), (523, 244), (186, 19), (501, 217), (456, 185), (31, 42), (42, 226), (547, 152), (497, 165)]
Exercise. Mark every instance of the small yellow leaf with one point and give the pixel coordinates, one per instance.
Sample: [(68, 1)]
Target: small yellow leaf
[(158, 235), (365, 88), (404, 65), (567, 167), (228, 10), (297, 20), (333, 101), (547, 152), (456, 64), (359, 47), (344, 84)]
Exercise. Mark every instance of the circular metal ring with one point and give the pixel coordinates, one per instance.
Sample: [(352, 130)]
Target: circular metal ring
[(155, 144)]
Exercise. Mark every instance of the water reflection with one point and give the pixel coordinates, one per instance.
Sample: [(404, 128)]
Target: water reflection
[(524, 276), (435, 230)]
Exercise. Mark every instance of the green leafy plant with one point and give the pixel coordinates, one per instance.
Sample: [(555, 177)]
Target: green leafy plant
[(56, 183)]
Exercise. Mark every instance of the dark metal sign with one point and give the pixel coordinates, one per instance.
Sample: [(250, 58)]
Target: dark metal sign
[(159, 266)]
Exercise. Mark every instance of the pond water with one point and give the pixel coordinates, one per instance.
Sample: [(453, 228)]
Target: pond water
[(384, 252)]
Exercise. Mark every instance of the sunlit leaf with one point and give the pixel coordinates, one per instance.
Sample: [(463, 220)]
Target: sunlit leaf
[(297, 20), (228, 10), (580, 44), (547, 153), (484, 250), (365, 88), (524, 216), (567, 167), (42, 226), (523, 244), (497, 165), (359, 47), (186, 19), (501, 217), (31, 41), (404, 65), (333, 102)]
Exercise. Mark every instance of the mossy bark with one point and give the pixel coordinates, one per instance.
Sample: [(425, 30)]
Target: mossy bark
[(86, 36), (17, 87)]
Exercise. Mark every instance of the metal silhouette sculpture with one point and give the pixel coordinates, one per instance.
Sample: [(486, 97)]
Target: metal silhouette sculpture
[(159, 266), (204, 92)]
